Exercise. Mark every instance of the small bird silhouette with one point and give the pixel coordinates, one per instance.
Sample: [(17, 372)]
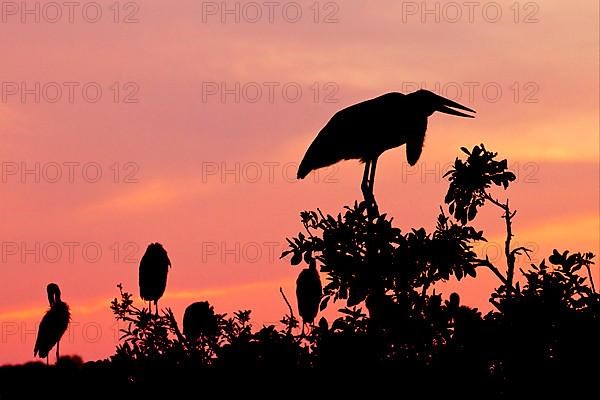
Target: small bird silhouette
[(365, 130), (454, 302), (308, 294), (199, 319), (154, 268), (53, 325)]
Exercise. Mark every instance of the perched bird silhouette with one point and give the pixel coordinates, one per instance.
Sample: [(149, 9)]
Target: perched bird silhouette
[(453, 305), (308, 294), (454, 302), (53, 325), (365, 130), (199, 319), (154, 268)]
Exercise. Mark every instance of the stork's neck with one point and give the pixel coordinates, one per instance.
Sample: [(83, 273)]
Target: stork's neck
[(53, 296)]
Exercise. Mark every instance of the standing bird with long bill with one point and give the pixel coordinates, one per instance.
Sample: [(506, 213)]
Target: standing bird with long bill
[(54, 324), (154, 268), (365, 130)]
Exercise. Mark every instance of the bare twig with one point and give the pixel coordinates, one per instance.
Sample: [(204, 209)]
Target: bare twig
[(171, 317), (525, 250), (496, 271), (289, 307), (510, 255), (493, 200), (286, 302), (589, 270)]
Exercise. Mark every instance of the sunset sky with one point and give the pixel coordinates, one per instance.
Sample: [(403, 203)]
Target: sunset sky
[(182, 149)]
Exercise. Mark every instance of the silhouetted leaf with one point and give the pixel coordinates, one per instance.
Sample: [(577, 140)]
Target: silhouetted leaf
[(296, 258)]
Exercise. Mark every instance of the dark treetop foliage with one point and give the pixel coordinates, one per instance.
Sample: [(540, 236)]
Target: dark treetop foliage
[(542, 335), (391, 316)]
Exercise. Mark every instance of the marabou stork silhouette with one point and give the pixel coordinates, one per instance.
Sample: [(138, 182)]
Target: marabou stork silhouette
[(53, 325), (308, 294), (154, 268), (365, 130)]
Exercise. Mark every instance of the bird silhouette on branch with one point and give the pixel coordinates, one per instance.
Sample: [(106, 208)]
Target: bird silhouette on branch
[(365, 130)]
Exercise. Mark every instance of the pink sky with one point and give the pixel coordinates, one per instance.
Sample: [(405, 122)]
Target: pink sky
[(170, 141)]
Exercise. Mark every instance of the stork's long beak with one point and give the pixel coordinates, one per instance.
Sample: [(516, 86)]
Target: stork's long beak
[(444, 104)]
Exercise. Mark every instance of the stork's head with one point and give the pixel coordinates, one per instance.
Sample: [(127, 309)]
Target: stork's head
[(430, 102), (53, 293), (157, 252)]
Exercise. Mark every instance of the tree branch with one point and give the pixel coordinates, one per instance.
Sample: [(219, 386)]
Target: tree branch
[(171, 317), (589, 271), (510, 255), (290, 308), (492, 267)]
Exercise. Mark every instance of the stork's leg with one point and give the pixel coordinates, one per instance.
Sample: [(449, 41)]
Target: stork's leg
[(156, 306), (367, 186), (365, 182), (372, 177), (371, 186), (47, 360), (57, 350)]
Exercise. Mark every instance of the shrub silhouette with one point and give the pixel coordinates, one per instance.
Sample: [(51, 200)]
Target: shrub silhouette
[(541, 336), (390, 313), (155, 339), (547, 325)]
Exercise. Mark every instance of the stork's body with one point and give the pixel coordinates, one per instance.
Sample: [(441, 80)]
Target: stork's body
[(54, 324), (154, 268), (365, 130), (308, 294)]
